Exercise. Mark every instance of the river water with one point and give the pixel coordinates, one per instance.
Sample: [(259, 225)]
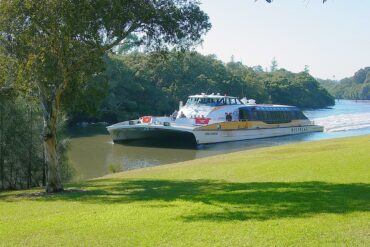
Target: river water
[(93, 153)]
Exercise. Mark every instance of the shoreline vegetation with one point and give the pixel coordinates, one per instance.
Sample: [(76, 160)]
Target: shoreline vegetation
[(306, 194), (138, 84), (356, 87)]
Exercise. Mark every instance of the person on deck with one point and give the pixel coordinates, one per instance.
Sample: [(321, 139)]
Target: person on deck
[(174, 115), (229, 117)]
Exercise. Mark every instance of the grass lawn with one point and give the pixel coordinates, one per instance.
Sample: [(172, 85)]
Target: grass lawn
[(306, 194)]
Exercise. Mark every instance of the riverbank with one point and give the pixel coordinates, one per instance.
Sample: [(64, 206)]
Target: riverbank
[(306, 194)]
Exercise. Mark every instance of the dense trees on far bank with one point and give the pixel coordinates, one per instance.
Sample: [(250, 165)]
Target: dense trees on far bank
[(299, 89), (356, 87), (140, 84)]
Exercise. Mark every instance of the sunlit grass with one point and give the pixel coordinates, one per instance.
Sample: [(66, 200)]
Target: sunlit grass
[(308, 194)]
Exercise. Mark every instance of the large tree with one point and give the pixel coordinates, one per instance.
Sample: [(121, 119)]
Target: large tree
[(59, 45)]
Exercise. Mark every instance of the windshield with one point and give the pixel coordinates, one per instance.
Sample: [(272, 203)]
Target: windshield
[(212, 101)]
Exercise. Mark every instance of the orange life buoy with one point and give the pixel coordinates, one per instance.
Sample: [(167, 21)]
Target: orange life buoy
[(147, 119)]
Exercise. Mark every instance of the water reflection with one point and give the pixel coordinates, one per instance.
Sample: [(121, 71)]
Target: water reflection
[(93, 151)]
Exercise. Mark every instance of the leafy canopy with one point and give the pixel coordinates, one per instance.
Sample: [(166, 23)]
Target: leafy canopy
[(62, 42)]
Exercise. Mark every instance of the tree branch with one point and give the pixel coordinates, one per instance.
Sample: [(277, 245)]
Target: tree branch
[(122, 37)]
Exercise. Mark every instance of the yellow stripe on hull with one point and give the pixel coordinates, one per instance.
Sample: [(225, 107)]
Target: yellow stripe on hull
[(234, 125)]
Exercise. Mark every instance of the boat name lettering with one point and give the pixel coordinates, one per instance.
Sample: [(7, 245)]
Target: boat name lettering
[(299, 129), (211, 133)]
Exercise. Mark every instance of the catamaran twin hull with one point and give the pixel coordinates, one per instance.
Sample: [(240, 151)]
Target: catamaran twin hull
[(199, 136), (215, 118)]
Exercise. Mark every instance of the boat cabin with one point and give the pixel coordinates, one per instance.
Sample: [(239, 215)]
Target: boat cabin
[(271, 114)]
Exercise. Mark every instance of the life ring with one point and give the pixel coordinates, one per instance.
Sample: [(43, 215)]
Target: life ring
[(146, 119)]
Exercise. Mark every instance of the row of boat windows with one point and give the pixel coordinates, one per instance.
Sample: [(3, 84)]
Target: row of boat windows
[(270, 116), (213, 101)]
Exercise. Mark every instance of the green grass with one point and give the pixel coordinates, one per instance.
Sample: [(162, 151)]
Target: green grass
[(307, 194)]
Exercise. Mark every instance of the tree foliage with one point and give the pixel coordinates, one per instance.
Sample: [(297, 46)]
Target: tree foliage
[(299, 89), (356, 87), (22, 163)]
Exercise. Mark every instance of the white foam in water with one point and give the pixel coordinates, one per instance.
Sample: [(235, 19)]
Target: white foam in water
[(344, 122)]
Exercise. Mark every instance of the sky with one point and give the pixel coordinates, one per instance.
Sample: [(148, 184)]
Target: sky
[(333, 39)]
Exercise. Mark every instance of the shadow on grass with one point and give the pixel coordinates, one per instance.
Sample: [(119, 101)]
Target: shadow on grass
[(226, 201)]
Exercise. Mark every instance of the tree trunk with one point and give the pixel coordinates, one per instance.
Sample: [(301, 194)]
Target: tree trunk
[(2, 175), (54, 183), (50, 110), (44, 168), (30, 147)]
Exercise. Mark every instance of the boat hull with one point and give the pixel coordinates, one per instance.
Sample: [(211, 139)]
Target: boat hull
[(204, 137), (151, 132), (168, 133)]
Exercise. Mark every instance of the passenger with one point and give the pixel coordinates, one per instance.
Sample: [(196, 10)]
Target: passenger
[(229, 117), (182, 115), (174, 115)]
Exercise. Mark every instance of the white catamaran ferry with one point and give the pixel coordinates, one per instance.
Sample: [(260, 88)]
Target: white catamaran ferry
[(216, 118)]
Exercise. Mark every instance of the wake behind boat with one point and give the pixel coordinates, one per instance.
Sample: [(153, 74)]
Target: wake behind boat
[(215, 118)]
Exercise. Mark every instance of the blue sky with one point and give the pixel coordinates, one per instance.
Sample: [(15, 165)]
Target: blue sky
[(333, 39)]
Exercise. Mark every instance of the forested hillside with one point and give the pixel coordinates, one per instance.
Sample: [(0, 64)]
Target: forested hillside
[(356, 87), (138, 84)]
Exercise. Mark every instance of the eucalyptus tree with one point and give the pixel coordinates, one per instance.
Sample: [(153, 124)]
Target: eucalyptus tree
[(59, 45)]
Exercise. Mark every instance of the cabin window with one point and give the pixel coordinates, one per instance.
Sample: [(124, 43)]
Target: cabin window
[(281, 116), (270, 114), (204, 101), (254, 115), (221, 101), (287, 115), (260, 116), (243, 114)]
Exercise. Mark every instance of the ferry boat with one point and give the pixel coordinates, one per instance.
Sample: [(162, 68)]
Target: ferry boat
[(215, 118)]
